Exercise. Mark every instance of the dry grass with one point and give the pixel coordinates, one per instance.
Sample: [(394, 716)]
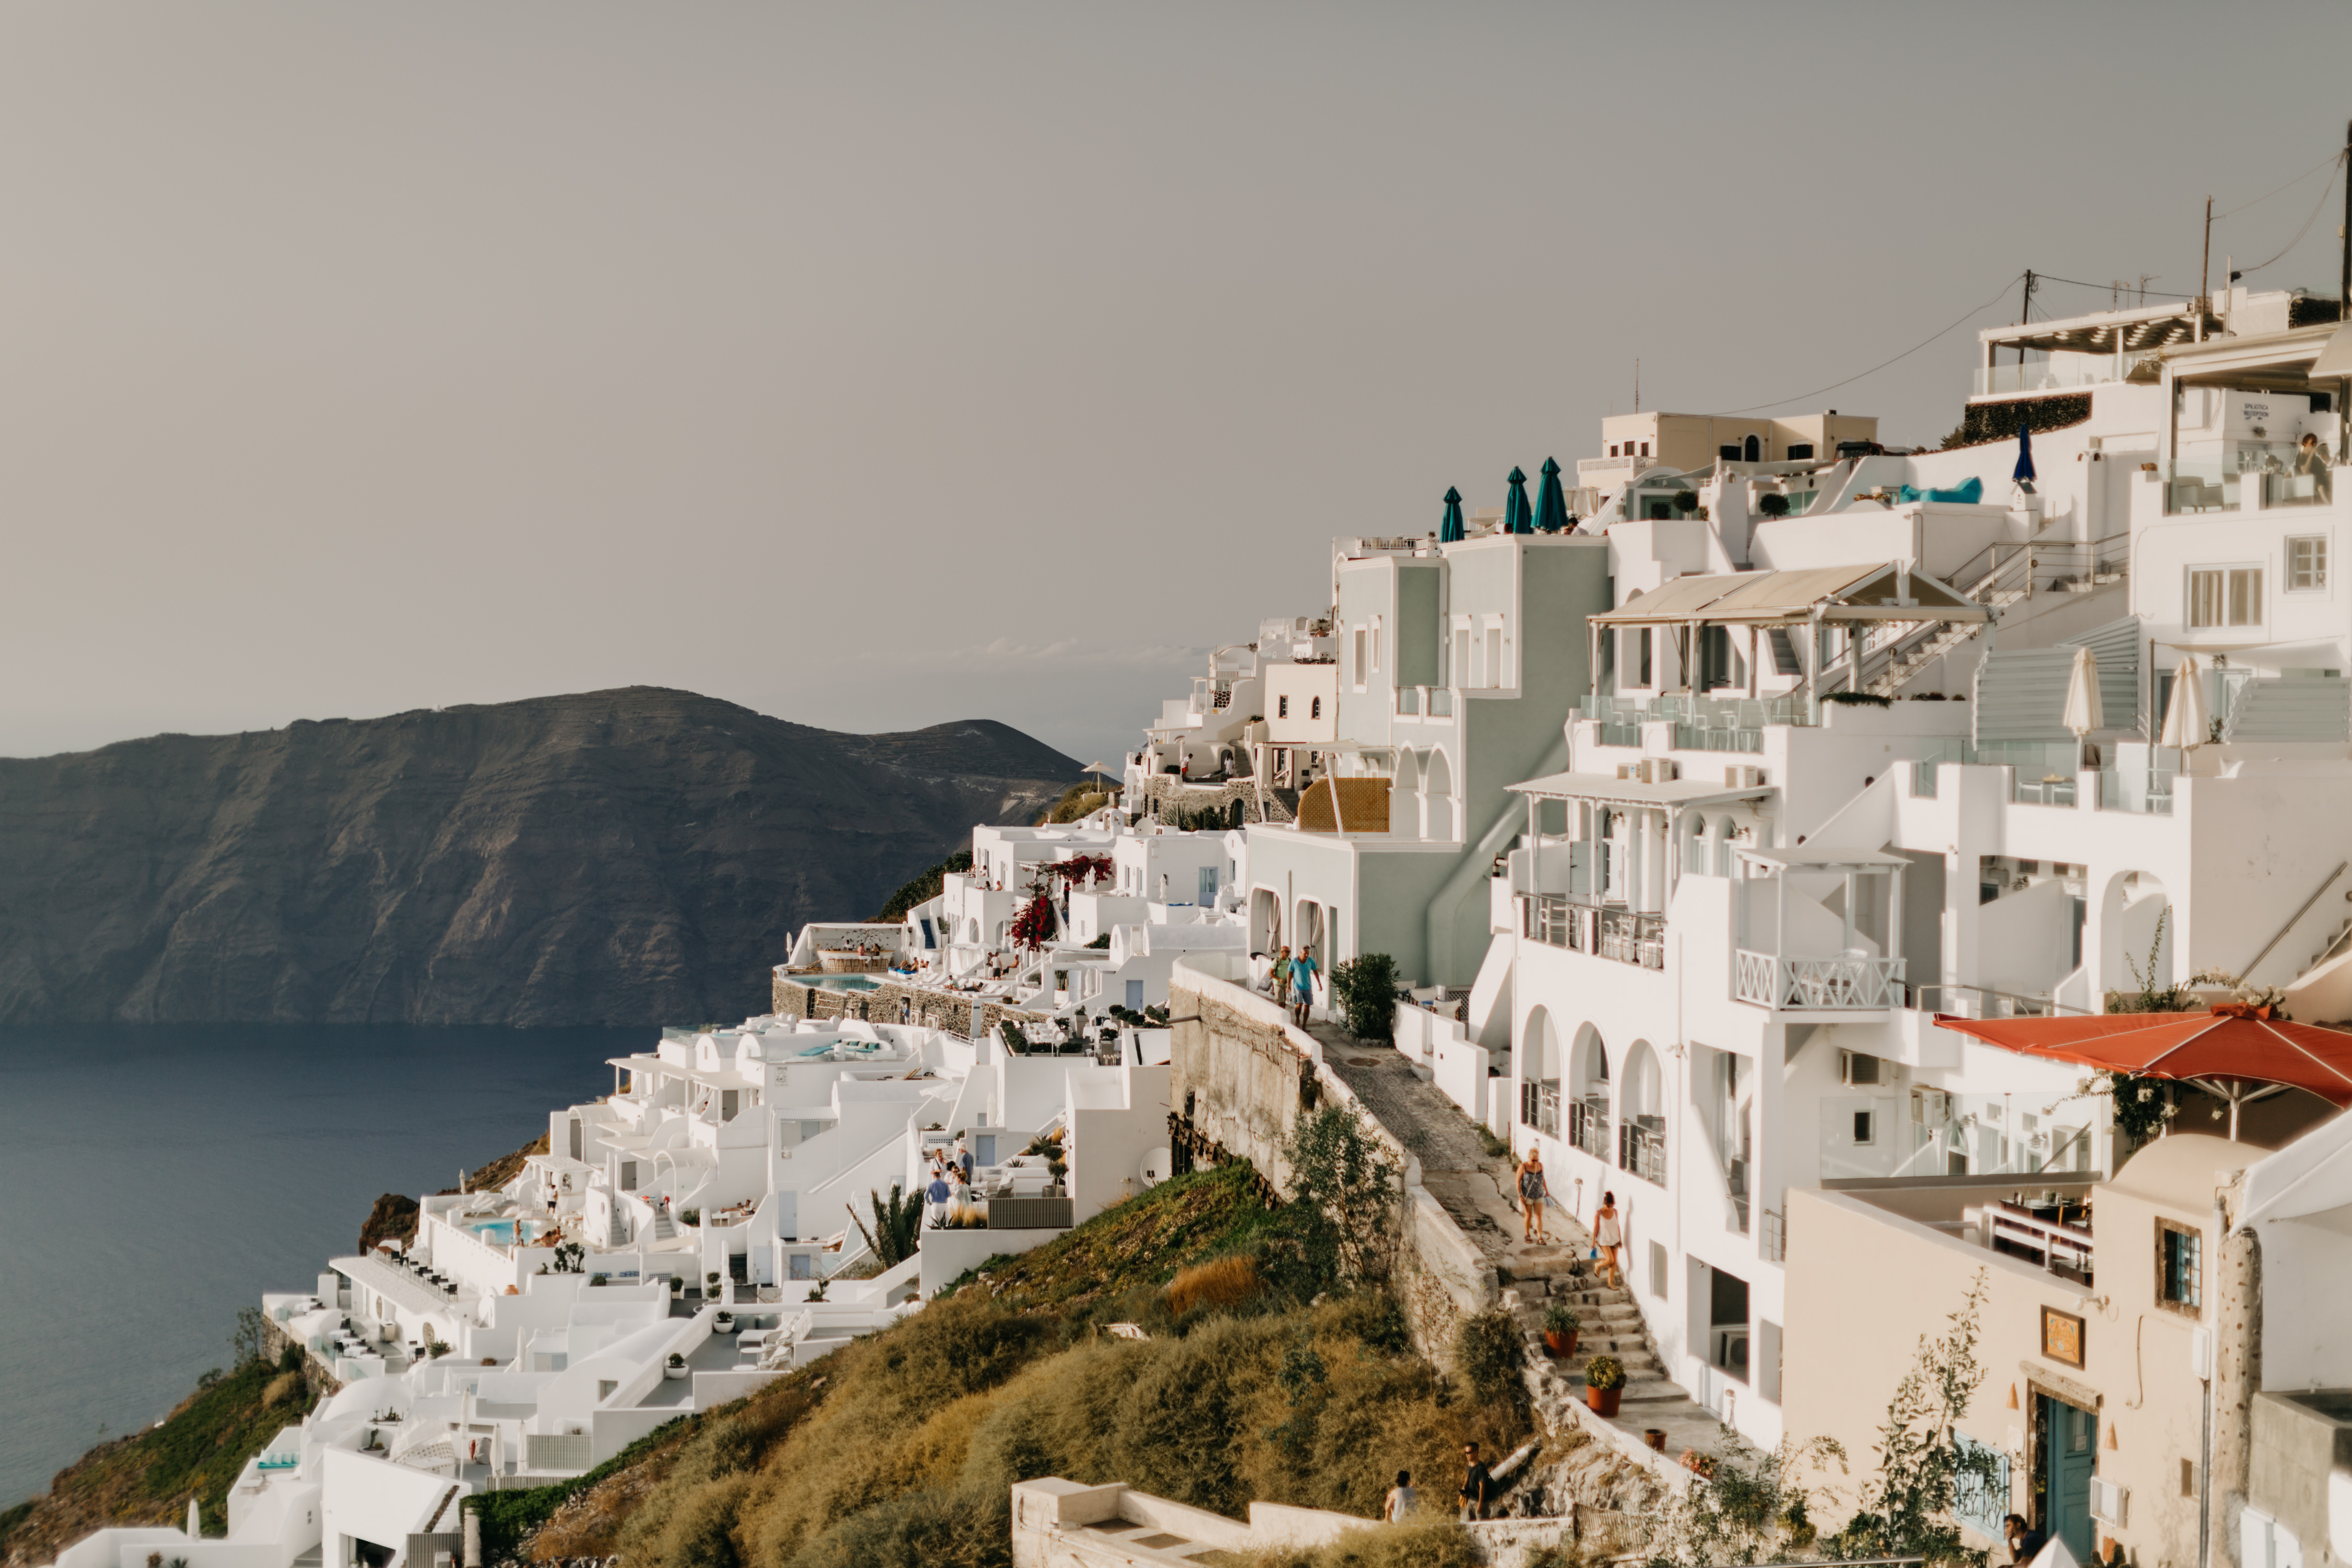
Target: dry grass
[(285, 1385), (1224, 1282)]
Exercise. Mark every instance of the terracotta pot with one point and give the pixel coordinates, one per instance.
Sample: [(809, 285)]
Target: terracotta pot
[(1604, 1401), (1560, 1344)]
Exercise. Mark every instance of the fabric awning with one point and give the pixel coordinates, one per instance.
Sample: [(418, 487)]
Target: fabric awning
[(2220, 1051), (1772, 598)]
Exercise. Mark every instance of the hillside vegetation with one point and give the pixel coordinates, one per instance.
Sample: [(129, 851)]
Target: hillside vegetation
[(148, 1479), (1263, 1378)]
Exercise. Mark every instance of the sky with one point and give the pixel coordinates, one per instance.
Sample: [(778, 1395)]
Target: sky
[(876, 366)]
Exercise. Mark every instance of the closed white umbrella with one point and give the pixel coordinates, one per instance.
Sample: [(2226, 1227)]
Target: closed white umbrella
[(2185, 722), (2083, 712), (195, 1522)]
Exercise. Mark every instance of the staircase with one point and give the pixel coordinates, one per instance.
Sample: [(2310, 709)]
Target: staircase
[(1609, 1323), (1907, 662), (663, 1229)]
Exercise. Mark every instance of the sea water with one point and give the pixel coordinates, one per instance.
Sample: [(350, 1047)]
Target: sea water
[(155, 1178)]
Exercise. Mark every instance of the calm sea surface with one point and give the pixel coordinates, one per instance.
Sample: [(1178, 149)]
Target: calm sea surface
[(154, 1179)]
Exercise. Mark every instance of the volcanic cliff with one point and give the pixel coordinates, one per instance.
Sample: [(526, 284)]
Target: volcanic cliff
[(627, 857)]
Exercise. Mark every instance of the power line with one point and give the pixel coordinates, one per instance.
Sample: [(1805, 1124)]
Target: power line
[(1882, 364), (2307, 222), (2331, 159), (2079, 283)]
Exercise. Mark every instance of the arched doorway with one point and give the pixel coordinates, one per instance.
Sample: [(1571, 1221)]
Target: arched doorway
[(1642, 1115), (1752, 451), (1307, 922), (1266, 921), (1404, 796), (1539, 1070), (1589, 1089), (1437, 796)]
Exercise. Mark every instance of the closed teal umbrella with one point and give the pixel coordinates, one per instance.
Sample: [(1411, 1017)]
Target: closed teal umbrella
[(1517, 516), (1551, 501), (1450, 531)]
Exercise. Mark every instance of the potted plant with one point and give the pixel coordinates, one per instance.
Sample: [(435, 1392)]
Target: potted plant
[(678, 1285), (724, 1323), (1560, 1326), (1604, 1384), (710, 1286), (675, 1368)]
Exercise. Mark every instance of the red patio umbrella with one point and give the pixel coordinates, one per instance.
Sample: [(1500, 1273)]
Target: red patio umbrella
[(2222, 1051)]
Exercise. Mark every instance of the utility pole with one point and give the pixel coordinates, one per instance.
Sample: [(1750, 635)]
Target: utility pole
[(2205, 265), (1637, 383), (2343, 280), (2025, 310)]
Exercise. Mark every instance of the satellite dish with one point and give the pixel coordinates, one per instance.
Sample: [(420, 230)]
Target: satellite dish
[(1157, 1165)]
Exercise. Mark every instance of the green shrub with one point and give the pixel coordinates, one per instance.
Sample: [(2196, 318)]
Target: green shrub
[(1559, 1317), (1604, 1373), (1366, 990), (1860, 698), (1491, 1358)]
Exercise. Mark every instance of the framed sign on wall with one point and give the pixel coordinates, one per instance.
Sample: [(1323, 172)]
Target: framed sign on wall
[(2061, 1337)]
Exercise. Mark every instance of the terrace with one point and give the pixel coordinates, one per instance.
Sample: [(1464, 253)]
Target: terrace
[(1855, 978)]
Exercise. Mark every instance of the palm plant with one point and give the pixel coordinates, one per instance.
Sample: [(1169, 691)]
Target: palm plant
[(897, 1226)]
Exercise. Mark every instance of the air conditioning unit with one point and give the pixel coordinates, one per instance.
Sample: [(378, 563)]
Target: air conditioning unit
[(2109, 1502), (1742, 775), (1930, 1107), (1856, 1070)]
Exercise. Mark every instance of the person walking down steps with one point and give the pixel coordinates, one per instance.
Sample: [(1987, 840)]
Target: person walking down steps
[(1608, 1237), (1532, 1193)]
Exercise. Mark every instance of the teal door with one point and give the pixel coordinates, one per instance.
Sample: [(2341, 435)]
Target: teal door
[(2069, 1454)]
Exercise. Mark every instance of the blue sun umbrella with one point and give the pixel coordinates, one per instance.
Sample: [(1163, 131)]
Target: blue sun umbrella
[(1551, 501), (2024, 469), (1517, 516), (1450, 531)]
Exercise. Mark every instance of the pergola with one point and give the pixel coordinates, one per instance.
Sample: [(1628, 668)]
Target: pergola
[(1804, 597)]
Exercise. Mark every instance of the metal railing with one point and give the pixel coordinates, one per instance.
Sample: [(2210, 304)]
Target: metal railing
[(1845, 983), (1540, 1108), (1642, 1151), (1773, 1245), (1588, 1125), (1604, 932)]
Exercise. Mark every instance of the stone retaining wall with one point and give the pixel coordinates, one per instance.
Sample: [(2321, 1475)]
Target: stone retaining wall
[(1243, 1076), (1164, 794), (891, 1002)]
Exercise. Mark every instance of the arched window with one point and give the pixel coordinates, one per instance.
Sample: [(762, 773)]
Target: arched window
[(1588, 1111), (1753, 449), (1540, 1068), (1314, 708)]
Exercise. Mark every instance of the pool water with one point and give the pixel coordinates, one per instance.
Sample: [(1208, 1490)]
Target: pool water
[(842, 982), (500, 1232)]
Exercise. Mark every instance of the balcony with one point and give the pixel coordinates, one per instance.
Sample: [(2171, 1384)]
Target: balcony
[(1848, 983), (2001, 380), (1588, 1125), (1540, 1108), (1642, 1149), (1424, 702), (1603, 931), (2259, 475), (2056, 1236)]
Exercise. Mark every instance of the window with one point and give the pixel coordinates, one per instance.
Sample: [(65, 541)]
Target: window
[(1360, 665), (1644, 643), (799, 1265), (605, 1387), (1866, 1127), (1802, 452), (1645, 448), (1612, 448), (2306, 564), (1376, 645), (2225, 596), (2180, 1282), (1282, 707), (1728, 451), (1754, 450), (1314, 708)]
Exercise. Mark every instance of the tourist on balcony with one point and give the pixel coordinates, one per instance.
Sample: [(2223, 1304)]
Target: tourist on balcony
[(1532, 1193), (937, 1196), (1608, 1237), (2311, 457)]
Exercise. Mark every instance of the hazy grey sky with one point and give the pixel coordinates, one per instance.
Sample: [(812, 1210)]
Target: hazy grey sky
[(876, 366)]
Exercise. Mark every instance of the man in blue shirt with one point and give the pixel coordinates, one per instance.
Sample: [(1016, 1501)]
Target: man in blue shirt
[(937, 1194)]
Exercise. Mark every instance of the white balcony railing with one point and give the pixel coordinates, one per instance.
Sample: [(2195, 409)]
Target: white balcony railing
[(1853, 982)]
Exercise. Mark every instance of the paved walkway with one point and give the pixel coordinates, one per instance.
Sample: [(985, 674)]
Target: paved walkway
[(1475, 1189)]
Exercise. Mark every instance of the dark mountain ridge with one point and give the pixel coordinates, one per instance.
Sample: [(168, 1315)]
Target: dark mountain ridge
[(627, 857)]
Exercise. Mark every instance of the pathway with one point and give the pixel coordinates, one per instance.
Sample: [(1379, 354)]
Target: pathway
[(1474, 1188)]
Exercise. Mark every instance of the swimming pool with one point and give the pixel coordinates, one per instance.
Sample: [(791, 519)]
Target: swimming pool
[(500, 1232), (838, 981)]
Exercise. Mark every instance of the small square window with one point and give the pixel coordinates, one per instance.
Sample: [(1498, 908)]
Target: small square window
[(1866, 1127), (2306, 564)]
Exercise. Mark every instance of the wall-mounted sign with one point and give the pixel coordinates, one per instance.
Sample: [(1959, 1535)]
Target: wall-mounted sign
[(2061, 1337)]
